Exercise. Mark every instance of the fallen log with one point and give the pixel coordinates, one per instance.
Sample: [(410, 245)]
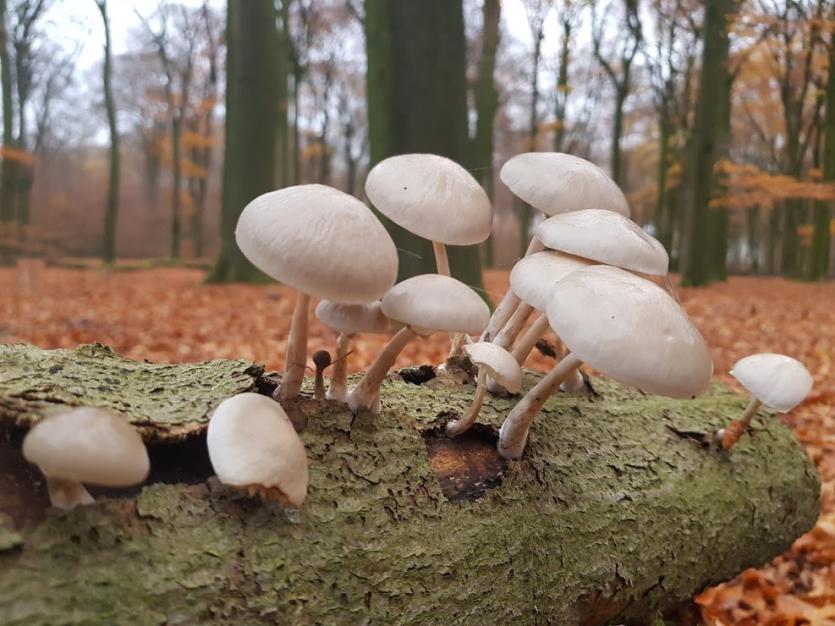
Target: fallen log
[(618, 511)]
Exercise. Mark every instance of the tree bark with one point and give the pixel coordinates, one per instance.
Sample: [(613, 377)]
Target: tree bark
[(111, 213), (624, 518), (704, 150), (252, 93), (821, 238), (417, 102), (7, 176), (486, 100)]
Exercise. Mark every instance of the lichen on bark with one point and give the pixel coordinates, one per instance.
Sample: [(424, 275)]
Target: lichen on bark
[(166, 402), (615, 512)]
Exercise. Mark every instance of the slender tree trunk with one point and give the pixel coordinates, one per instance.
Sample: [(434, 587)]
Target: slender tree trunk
[(703, 146), (298, 76), (664, 218), (486, 103), (177, 187), (8, 174), (112, 211), (282, 157), (252, 92), (621, 93), (821, 239), (525, 209), (417, 102), (561, 101)]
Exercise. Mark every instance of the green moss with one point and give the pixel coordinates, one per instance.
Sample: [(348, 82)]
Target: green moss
[(610, 517), (163, 401)]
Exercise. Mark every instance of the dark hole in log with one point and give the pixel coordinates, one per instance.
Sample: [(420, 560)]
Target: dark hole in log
[(417, 375), (23, 494), (468, 465)]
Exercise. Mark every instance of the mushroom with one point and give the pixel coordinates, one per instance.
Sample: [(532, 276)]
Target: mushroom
[(321, 242), (606, 237), (434, 198), (501, 366), (322, 360), (85, 445), (425, 304), (253, 446), (626, 327), (349, 320), (774, 380), (553, 183)]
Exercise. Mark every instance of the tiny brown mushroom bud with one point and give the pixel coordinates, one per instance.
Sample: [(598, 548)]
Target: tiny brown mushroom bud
[(322, 360)]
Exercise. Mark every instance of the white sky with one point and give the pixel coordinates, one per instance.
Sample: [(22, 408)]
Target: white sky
[(77, 22)]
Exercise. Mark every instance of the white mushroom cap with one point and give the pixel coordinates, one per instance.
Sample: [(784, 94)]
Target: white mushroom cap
[(605, 237), (554, 183), (88, 445), (631, 330), (533, 277), (436, 303), (253, 443), (350, 319), (778, 381), (499, 363), (431, 196), (320, 241)]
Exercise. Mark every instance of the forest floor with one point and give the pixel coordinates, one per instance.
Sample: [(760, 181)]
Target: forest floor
[(168, 315)]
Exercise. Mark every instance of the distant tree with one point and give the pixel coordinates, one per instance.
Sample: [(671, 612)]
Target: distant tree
[(486, 101), (704, 149), (112, 206), (569, 20), (7, 174), (417, 102), (617, 63), (252, 95)]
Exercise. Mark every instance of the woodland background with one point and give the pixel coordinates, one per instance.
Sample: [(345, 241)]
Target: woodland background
[(135, 132)]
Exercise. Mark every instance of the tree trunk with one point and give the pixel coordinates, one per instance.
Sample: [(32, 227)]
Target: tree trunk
[(821, 238), (417, 102), (525, 209), (704, 149), (8, 174), (561, 101), (603, 521), (664, 217), (251, 101), (282, 157), (486, 103), (177, 187), (112, 208), (621, 93)]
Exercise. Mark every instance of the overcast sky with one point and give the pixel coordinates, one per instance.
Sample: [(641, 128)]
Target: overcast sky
[(77, 22)]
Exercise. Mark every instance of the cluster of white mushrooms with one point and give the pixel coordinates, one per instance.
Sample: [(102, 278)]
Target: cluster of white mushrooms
[(587, 277)]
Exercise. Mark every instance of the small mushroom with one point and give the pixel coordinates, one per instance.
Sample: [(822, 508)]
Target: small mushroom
[(85, 445), (553, 183), (425, 304), (349, 320), (253, 446), (627, 328), (323, 243), (501, 366), (322, 360), (434, 198), (774, 380)]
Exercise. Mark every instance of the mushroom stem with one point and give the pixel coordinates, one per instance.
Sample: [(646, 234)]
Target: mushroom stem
[(291, 382), (527, 342), (338, 389), (67, 494), (462, 425), (363, 394), (736, 428), (509, 302), (514, 326), (514, 432), (441, 258)]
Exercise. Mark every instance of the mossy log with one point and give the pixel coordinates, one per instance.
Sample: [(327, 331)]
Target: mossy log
[(618, 510)]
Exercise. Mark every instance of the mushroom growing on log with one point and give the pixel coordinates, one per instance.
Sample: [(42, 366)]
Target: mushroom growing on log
[(619, 503), (402, 524)]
